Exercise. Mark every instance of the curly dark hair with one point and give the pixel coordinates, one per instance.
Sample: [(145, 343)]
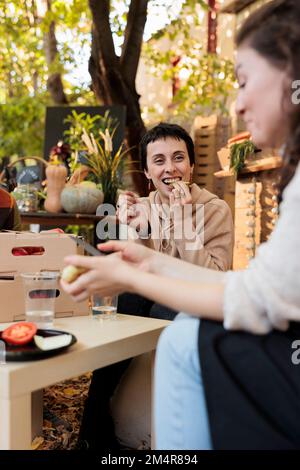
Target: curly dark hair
[(274, 32)]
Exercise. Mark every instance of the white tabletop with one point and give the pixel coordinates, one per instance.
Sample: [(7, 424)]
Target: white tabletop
[(99, 343)]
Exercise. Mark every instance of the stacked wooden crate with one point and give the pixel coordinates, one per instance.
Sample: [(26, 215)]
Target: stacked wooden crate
[(252, 197), (256, 212), (210, 134)]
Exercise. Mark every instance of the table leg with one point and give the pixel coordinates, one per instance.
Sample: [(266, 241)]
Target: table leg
[(15, 423), (37, 413)]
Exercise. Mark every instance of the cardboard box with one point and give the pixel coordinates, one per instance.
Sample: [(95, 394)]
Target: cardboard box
[(53, 247), (224, 158)]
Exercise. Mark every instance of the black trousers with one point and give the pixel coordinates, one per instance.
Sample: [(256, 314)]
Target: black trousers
[(252, 387), (97, 427)]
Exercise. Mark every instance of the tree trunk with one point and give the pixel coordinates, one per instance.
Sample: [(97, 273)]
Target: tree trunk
[(54, 82), (212, 39), (56, 89), (113, 77)]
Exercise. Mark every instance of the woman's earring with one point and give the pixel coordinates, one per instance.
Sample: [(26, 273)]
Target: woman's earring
[(149, 184)]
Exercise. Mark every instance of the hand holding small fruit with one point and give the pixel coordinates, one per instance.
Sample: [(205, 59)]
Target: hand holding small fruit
[(109, 274), (71, 273)]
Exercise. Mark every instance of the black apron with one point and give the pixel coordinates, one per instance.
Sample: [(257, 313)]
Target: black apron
[(252, 387)]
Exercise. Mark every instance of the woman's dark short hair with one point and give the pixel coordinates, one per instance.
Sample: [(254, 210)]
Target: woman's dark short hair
[(162, 131)]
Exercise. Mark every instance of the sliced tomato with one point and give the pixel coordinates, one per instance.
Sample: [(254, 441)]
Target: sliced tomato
[(20, 333)]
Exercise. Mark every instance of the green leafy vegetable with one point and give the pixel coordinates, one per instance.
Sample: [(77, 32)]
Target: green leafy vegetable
[(238, 154)]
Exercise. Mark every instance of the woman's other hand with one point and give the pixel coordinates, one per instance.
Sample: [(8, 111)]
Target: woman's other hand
[(126, 203), (131, 212)]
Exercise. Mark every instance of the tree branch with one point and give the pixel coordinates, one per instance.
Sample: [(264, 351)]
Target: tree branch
[(110, 84), (133, 38), (101, 29), (98, 83)]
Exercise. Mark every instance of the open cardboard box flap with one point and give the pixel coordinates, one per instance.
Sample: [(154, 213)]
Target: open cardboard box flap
[(52, 249), (44, 251)]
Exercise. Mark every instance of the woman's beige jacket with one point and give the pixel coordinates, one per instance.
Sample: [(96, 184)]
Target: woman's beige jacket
[(201, 234)]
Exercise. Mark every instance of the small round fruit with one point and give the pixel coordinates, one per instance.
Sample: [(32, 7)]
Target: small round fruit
[(70, 273)]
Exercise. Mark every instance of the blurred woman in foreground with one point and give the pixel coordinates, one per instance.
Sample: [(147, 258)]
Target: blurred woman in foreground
[(243, 390)]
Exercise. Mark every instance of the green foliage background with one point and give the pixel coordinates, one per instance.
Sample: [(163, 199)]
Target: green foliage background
[(24, 71), (210, 78)]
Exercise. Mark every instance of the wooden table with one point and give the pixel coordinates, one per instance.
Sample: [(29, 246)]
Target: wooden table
[(100, 343), (59, 218)]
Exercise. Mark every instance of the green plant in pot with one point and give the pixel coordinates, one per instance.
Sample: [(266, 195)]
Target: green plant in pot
[(93, 158), (239, 151), (79, 122), (107, 166)]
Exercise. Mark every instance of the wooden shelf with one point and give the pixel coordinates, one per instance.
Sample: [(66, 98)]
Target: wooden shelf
[(59, 218), (235, 6), (269, 163)]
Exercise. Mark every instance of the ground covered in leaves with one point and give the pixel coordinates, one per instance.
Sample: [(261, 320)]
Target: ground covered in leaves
[(63, 408)]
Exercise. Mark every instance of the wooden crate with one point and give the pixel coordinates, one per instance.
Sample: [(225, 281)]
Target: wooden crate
[(256, 212), (209, 135)]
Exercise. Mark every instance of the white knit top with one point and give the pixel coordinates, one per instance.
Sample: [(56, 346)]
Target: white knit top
[(267, 294)]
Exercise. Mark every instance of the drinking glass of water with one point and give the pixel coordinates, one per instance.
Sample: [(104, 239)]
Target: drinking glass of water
[(104, 307), (40, 292)]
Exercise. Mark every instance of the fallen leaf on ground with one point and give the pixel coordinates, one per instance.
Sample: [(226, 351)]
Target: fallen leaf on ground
[(70, 392), (37, 441)]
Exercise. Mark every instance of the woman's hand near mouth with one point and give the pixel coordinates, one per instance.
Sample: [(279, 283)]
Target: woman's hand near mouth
[(180, 195)]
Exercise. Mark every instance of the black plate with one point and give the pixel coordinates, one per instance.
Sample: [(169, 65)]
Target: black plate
[(30, 352)]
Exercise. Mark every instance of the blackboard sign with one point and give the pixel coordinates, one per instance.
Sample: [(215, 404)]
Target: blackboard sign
[(55, 125), (29, 174)]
